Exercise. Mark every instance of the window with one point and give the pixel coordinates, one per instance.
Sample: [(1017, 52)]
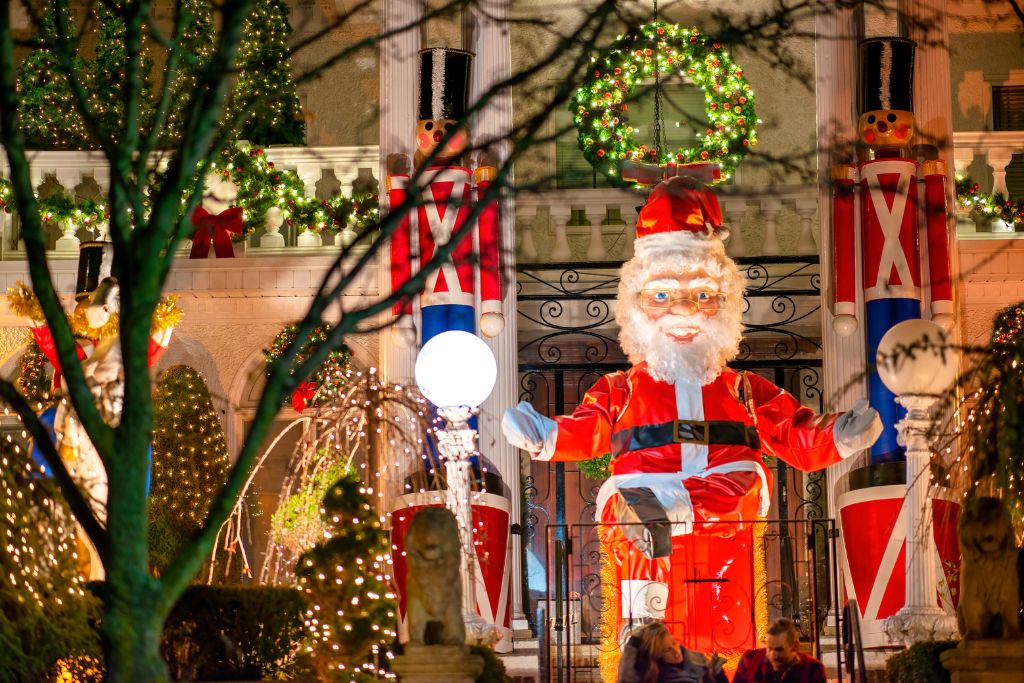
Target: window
[(682, 107), (1008, 107)]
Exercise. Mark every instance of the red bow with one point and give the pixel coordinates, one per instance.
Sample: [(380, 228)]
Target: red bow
[(216, 228), (303, 395)]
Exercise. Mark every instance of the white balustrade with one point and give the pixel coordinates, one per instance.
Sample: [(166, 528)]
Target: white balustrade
[(987, 154), (784, 214), (349, 165)]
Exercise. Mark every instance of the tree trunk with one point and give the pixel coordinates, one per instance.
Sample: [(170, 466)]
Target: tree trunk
[(131, 632)]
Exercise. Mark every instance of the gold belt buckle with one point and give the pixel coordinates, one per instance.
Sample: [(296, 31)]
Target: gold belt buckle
[(685, 427)]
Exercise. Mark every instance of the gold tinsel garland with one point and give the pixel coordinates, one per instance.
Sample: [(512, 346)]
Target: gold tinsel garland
[(23, 302), (608, 655)]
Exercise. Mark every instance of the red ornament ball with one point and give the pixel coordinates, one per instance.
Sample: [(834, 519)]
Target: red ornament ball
[(600, 152)]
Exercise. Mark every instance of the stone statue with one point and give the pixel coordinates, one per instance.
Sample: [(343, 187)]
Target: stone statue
[(989, 588), (434, 584)]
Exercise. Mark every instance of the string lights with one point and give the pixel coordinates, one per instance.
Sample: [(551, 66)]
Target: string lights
[(348, 576), (601, 104), (190, 454)]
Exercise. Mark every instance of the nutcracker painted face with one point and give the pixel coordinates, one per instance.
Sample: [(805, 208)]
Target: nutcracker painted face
[(680, 308), (886, 129), (429, 134)]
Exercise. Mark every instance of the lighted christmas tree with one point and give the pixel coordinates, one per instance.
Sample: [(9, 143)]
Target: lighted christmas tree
[(33, 380), (190, 459), (49, 119), (348, 578), (46, 611), (107, 75), (196, 47), (265, 87)]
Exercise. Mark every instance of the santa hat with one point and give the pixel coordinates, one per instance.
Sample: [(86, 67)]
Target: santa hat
[(680, 229)]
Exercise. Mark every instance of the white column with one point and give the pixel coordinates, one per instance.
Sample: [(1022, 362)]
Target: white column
[(835, 61), (398, 83), (491, 130), (836, 73), (921, 618)]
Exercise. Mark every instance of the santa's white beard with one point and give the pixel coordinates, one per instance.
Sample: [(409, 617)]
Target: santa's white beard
[(698, 361)]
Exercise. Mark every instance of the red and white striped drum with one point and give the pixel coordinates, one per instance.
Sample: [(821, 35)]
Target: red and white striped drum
[(874, 546), (491, 528)]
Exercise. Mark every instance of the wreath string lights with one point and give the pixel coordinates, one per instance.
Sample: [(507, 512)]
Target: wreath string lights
[(601, 105)]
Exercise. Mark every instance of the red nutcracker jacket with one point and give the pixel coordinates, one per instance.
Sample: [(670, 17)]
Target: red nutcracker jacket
[(447, 197), (703, 441), (891, 259)]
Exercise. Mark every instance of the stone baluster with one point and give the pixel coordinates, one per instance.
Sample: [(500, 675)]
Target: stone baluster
[(805, 208), (309, 174), (734, 210), (623, 248), (596, 214), (560, 215), (998, 159), (272, 237), (770, 208), (69, 178), (528, 243)]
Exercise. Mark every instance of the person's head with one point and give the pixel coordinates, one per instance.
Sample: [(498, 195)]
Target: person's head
[(782, 644), (657, 645)]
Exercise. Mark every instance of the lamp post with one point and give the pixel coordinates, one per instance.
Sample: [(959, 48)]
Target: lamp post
[(456, 372), (916, 362)]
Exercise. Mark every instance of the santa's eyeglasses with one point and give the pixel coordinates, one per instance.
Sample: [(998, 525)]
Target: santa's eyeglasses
[(696, 300)]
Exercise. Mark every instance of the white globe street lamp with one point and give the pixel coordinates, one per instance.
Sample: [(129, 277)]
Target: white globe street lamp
[(917, 362), (456, 372)]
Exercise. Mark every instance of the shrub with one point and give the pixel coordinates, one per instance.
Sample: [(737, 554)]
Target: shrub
[(919, 663), (494, 668), (234, 632)]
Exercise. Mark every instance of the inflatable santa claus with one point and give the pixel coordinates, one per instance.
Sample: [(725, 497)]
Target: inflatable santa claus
[(687, 435)]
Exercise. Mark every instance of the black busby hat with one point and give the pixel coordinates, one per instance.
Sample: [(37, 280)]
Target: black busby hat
[(95, 260), (887, 74), (444, 83)]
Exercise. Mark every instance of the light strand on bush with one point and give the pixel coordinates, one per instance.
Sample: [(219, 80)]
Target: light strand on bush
[(353, 613)]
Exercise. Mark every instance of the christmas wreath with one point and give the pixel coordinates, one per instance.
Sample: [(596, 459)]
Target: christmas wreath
[(322, 384), (601, 104)]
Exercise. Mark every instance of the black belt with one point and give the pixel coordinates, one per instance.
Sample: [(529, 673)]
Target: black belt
[(708, 433)]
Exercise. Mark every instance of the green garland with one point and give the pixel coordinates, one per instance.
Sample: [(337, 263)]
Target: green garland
[(601, 104), (969, 196), (261, 185), (325, 379)]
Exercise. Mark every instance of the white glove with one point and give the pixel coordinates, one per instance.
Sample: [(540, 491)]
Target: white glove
[(527, 429), (856, 429)]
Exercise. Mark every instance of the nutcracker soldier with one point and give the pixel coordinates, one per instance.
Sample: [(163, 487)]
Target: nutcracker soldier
[(888, 185), (686, 433), (440, 195), (444, 198)]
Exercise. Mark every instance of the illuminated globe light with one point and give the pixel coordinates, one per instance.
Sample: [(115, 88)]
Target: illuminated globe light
[(455, 369), (916, 358)]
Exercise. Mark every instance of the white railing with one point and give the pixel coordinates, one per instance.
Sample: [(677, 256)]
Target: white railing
[(87, 175), (598, 225), (984, 156)]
